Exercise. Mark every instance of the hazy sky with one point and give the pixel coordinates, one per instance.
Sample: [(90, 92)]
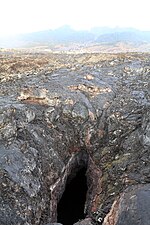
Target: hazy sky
[(19, 16)]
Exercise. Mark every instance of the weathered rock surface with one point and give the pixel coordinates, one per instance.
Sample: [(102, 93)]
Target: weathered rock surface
[(132, 207), (93, 110), (86, 221), (53, 224)]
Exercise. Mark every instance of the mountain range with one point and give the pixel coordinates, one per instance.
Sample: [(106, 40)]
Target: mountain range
[(67, 35)]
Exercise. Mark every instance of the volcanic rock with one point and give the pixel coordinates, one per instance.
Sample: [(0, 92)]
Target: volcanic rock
[(75, 111)]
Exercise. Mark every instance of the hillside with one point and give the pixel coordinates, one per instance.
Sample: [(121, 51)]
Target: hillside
[(73, 40)]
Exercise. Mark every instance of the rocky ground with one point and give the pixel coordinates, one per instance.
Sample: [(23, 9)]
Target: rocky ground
[(59, 112)]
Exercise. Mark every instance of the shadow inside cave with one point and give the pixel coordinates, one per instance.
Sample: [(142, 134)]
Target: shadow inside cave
[(70, 208)]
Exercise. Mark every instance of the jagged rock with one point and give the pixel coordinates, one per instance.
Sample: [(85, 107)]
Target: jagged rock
[(53, 224), (86, 221), (57, 121), (131, 208)]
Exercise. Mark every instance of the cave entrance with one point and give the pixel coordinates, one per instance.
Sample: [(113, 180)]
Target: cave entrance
[(70, 208)]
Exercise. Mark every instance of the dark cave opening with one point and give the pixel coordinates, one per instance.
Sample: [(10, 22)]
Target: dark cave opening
[(70, 208)]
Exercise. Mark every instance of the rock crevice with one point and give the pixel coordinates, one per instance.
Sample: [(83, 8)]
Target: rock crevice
[(54, 123)]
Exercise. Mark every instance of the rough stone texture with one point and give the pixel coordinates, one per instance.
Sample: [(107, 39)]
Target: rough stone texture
[(91, 109), (86, 221), (132, 208), (53, 224)]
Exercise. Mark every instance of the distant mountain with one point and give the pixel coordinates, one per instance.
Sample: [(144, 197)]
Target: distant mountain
[(108, 30), (67, 35), (62, 35), (134, 37)]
